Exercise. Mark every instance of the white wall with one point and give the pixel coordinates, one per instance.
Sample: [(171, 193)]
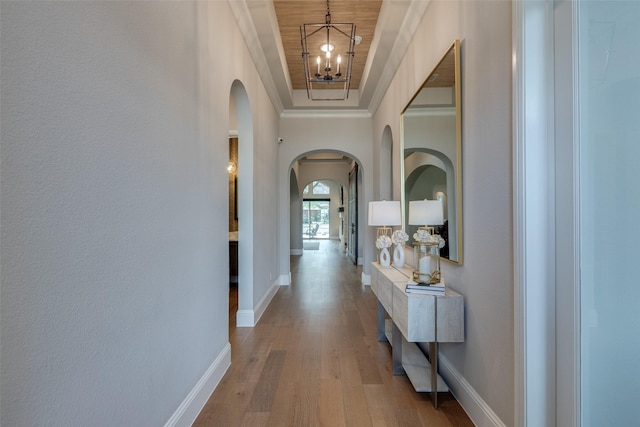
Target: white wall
[(295, 208), (114, 206), (609, 96), (483, 364)]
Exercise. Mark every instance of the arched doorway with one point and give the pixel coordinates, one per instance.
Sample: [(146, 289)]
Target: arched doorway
[(241, 202), (318, 172)]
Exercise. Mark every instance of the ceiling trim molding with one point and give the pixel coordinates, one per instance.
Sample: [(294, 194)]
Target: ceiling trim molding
[(253, 43), (412, 19), (397, 23), (429, 111), (325, 114)]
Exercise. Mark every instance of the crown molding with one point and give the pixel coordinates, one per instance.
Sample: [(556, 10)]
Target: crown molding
[(249, 31), (325, 114)]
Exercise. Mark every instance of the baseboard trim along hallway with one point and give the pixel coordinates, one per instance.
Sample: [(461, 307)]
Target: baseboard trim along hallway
[(477, 409), (191, 406), (249, 318)]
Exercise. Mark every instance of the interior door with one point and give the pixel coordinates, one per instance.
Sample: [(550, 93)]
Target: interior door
[(352, 216)]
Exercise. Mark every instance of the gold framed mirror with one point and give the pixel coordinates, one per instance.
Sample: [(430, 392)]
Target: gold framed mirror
[(432, 148)]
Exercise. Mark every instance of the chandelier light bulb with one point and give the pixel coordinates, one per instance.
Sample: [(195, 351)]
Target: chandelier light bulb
[(339, 60), (318, 61), (327, 47)]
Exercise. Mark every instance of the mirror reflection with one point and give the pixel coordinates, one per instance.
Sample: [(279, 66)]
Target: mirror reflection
[(431, 126)]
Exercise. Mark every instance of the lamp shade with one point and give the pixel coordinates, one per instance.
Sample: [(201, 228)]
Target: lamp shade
[(426, 212), (385, 213)]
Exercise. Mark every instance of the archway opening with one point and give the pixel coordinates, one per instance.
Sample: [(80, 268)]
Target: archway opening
[(241, 203), (323, 203)]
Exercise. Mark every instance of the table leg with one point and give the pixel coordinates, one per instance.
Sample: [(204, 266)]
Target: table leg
[(433, 355), (396, 351), (382, 337)]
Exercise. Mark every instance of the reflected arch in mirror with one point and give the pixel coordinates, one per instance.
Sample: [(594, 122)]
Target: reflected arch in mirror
[(430, 175)]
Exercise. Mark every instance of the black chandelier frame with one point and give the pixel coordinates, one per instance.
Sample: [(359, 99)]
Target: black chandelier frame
[(324, 76)]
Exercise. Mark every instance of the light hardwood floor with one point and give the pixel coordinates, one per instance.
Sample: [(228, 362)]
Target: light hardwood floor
[(314, 359)]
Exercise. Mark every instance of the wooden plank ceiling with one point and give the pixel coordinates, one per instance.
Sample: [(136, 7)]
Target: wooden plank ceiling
[(291, 14), (444, 74)]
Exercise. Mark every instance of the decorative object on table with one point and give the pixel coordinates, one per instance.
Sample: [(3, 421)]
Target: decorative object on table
[(383, 243), (384, 214), (398, 238), (427, 254), (426, 248), (419, 288)]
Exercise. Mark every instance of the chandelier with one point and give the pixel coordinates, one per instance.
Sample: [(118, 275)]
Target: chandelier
[(329, 67)]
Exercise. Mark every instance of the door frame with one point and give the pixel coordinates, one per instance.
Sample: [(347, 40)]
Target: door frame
[(352, 214), (546, 215)]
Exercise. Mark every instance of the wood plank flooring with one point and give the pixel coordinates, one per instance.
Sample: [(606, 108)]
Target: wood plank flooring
[(314, 359)]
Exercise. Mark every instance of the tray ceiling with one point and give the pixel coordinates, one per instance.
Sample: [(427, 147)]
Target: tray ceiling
[(291, 14), (271, 29)]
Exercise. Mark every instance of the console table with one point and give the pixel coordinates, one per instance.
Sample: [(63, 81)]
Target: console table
[(416, 318)]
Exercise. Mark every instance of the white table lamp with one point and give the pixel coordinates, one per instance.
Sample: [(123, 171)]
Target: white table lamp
[(385, 214), (426, 213)]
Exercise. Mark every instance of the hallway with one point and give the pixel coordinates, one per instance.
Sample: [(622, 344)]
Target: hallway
[(314, 359)]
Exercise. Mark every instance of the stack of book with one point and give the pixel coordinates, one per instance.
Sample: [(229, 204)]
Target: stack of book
[(417, 288)]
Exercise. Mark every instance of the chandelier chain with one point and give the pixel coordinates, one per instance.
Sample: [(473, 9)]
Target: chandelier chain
[(327, 17)]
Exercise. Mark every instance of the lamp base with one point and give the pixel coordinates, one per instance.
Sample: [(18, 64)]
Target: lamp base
[(430, 230), (384, 231)]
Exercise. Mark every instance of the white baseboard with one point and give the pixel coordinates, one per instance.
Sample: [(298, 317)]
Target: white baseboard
[(478, 410), (245, 319), (191, 406), (295, 251), (249, 318), (285, 279), (365, 279)]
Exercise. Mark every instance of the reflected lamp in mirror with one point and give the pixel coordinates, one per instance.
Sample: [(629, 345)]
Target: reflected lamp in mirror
[(385, 214), (426, 214)]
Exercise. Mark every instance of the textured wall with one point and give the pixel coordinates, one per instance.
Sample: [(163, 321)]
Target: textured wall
[(485, 359), (114, 206)]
